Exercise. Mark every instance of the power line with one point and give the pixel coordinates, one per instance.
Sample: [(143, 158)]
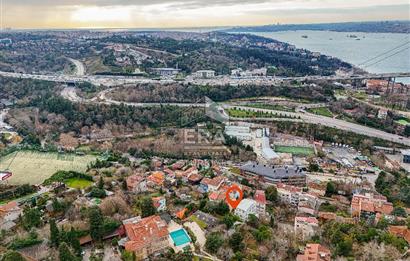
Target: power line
[(384, 53), (385, 58)]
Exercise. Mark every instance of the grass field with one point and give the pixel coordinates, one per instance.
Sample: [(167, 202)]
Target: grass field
[(34, 167), (403, 122), (78, 183), (323, 111), (305, 151)]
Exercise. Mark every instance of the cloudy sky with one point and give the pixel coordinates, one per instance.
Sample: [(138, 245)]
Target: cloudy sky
[(193, 13)]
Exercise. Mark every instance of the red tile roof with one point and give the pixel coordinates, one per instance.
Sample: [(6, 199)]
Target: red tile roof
[(370, 203), (315, 252), (134, 180), (144, 233), (400, 231), (260, 197), (157, 177), (310, 220), (216, 181)]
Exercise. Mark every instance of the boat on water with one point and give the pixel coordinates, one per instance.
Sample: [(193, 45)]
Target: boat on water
[(304, 36)]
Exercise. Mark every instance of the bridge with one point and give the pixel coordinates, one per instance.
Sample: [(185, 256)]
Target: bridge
[(219, 80)]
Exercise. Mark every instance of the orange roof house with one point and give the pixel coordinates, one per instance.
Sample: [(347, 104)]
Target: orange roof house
[(370, 203), (181, 214), (400, 231), (315, 252), (147, 236), (157, 178)]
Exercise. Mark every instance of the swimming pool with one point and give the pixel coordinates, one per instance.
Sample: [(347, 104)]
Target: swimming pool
[(180, 237)]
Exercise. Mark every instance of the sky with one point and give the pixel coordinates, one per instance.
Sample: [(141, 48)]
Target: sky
[(193, 13)]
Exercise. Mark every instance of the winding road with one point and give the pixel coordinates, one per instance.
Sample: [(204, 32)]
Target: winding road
[(71, 94)]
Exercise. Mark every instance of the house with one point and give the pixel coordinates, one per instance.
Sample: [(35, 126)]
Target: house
[(288, 194), (260, 199), (245, 208), (400, 231), (306, 227), (219, 195), (315, 252), (136, 183), (160, 203), (9, 213), (146, 236), (406, 156), (205, 74), (292, 175), (308, 204), (209, 185), (370, 204), (156, 179)]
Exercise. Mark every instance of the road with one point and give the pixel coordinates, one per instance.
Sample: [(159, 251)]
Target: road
[(329, 122), (219, 80), (80, 68)]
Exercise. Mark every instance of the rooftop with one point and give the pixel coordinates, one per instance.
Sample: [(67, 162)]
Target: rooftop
[(273, 172)]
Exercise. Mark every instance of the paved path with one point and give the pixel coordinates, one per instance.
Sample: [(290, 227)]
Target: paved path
[(71, 94), (80, 68)]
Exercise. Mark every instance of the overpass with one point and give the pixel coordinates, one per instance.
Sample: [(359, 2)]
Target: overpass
[(107, 80)]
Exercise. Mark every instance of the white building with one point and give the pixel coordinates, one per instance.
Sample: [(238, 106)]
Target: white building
[(205, 74), (245, 208), (166, 72), (289, 194), (242, 133), (306, 227)]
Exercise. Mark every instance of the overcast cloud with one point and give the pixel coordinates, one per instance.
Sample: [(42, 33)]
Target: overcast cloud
[(192, 13)]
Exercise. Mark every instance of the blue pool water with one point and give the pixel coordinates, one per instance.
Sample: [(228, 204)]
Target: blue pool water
[(180, 237)]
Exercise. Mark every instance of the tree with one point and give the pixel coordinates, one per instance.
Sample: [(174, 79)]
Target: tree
[(400, 212), (221, 208), (12, 255), (253, 220), (407, 131), (330, 189), (101, 183), (73, 241), (96, 223), (97, 193), (235, 242), (65, 253), (54, 233), (213, 242), (262, 233), (229, 219), (31, 218), (147, 207), (272, 194)]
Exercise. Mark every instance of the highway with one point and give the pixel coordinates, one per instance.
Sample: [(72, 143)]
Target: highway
[(110, 81), (70, 93), (326, 121)]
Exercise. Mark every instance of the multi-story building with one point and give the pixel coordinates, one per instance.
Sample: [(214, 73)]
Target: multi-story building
[(370, 204), (306, 227), (288, 194), (260, 199), (146, 236), (210, 185), (292, 175), (245, 208), (205, 74), (136, 183)]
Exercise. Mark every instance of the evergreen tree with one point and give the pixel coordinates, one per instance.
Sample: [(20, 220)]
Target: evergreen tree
[(147, 207), (96, 223), (12, 256), (101, 183), (54, 233), (65, 253)]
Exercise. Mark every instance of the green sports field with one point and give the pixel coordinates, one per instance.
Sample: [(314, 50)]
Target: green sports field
[(34, 167), (302, 151)]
